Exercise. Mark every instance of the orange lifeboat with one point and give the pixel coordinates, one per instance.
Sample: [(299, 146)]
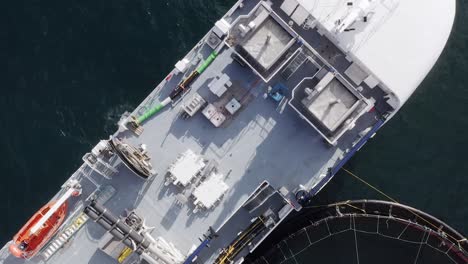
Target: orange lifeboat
[(25, 243)]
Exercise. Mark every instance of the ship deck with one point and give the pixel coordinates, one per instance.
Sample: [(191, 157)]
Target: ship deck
[(260, 142)]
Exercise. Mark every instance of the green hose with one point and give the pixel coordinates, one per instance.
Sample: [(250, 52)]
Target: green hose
[(160, 106), (149, 113), (207, 62)]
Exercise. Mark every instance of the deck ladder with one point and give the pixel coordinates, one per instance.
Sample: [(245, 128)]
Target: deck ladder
[(64, 236), (99, 165), (294, 64)]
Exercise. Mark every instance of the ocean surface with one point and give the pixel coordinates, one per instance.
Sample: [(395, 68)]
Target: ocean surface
[(73, 67)]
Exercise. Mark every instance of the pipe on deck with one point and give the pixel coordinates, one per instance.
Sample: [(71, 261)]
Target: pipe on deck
[(207, 62), (153, 110), (184, 85)]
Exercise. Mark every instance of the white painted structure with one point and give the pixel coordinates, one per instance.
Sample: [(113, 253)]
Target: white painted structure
[(210, 191), (186, 167), (412, 33)]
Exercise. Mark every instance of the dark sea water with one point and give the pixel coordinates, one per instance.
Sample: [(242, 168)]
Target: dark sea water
[(72, 67)]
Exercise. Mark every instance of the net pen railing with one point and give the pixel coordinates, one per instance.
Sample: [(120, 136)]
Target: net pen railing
[(370, 232)]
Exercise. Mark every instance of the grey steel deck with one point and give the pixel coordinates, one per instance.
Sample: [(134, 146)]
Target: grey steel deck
[(257, 144)]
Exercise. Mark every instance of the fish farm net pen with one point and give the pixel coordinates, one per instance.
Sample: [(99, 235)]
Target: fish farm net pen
[(395, 201), (365, 228), (368, 231)]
